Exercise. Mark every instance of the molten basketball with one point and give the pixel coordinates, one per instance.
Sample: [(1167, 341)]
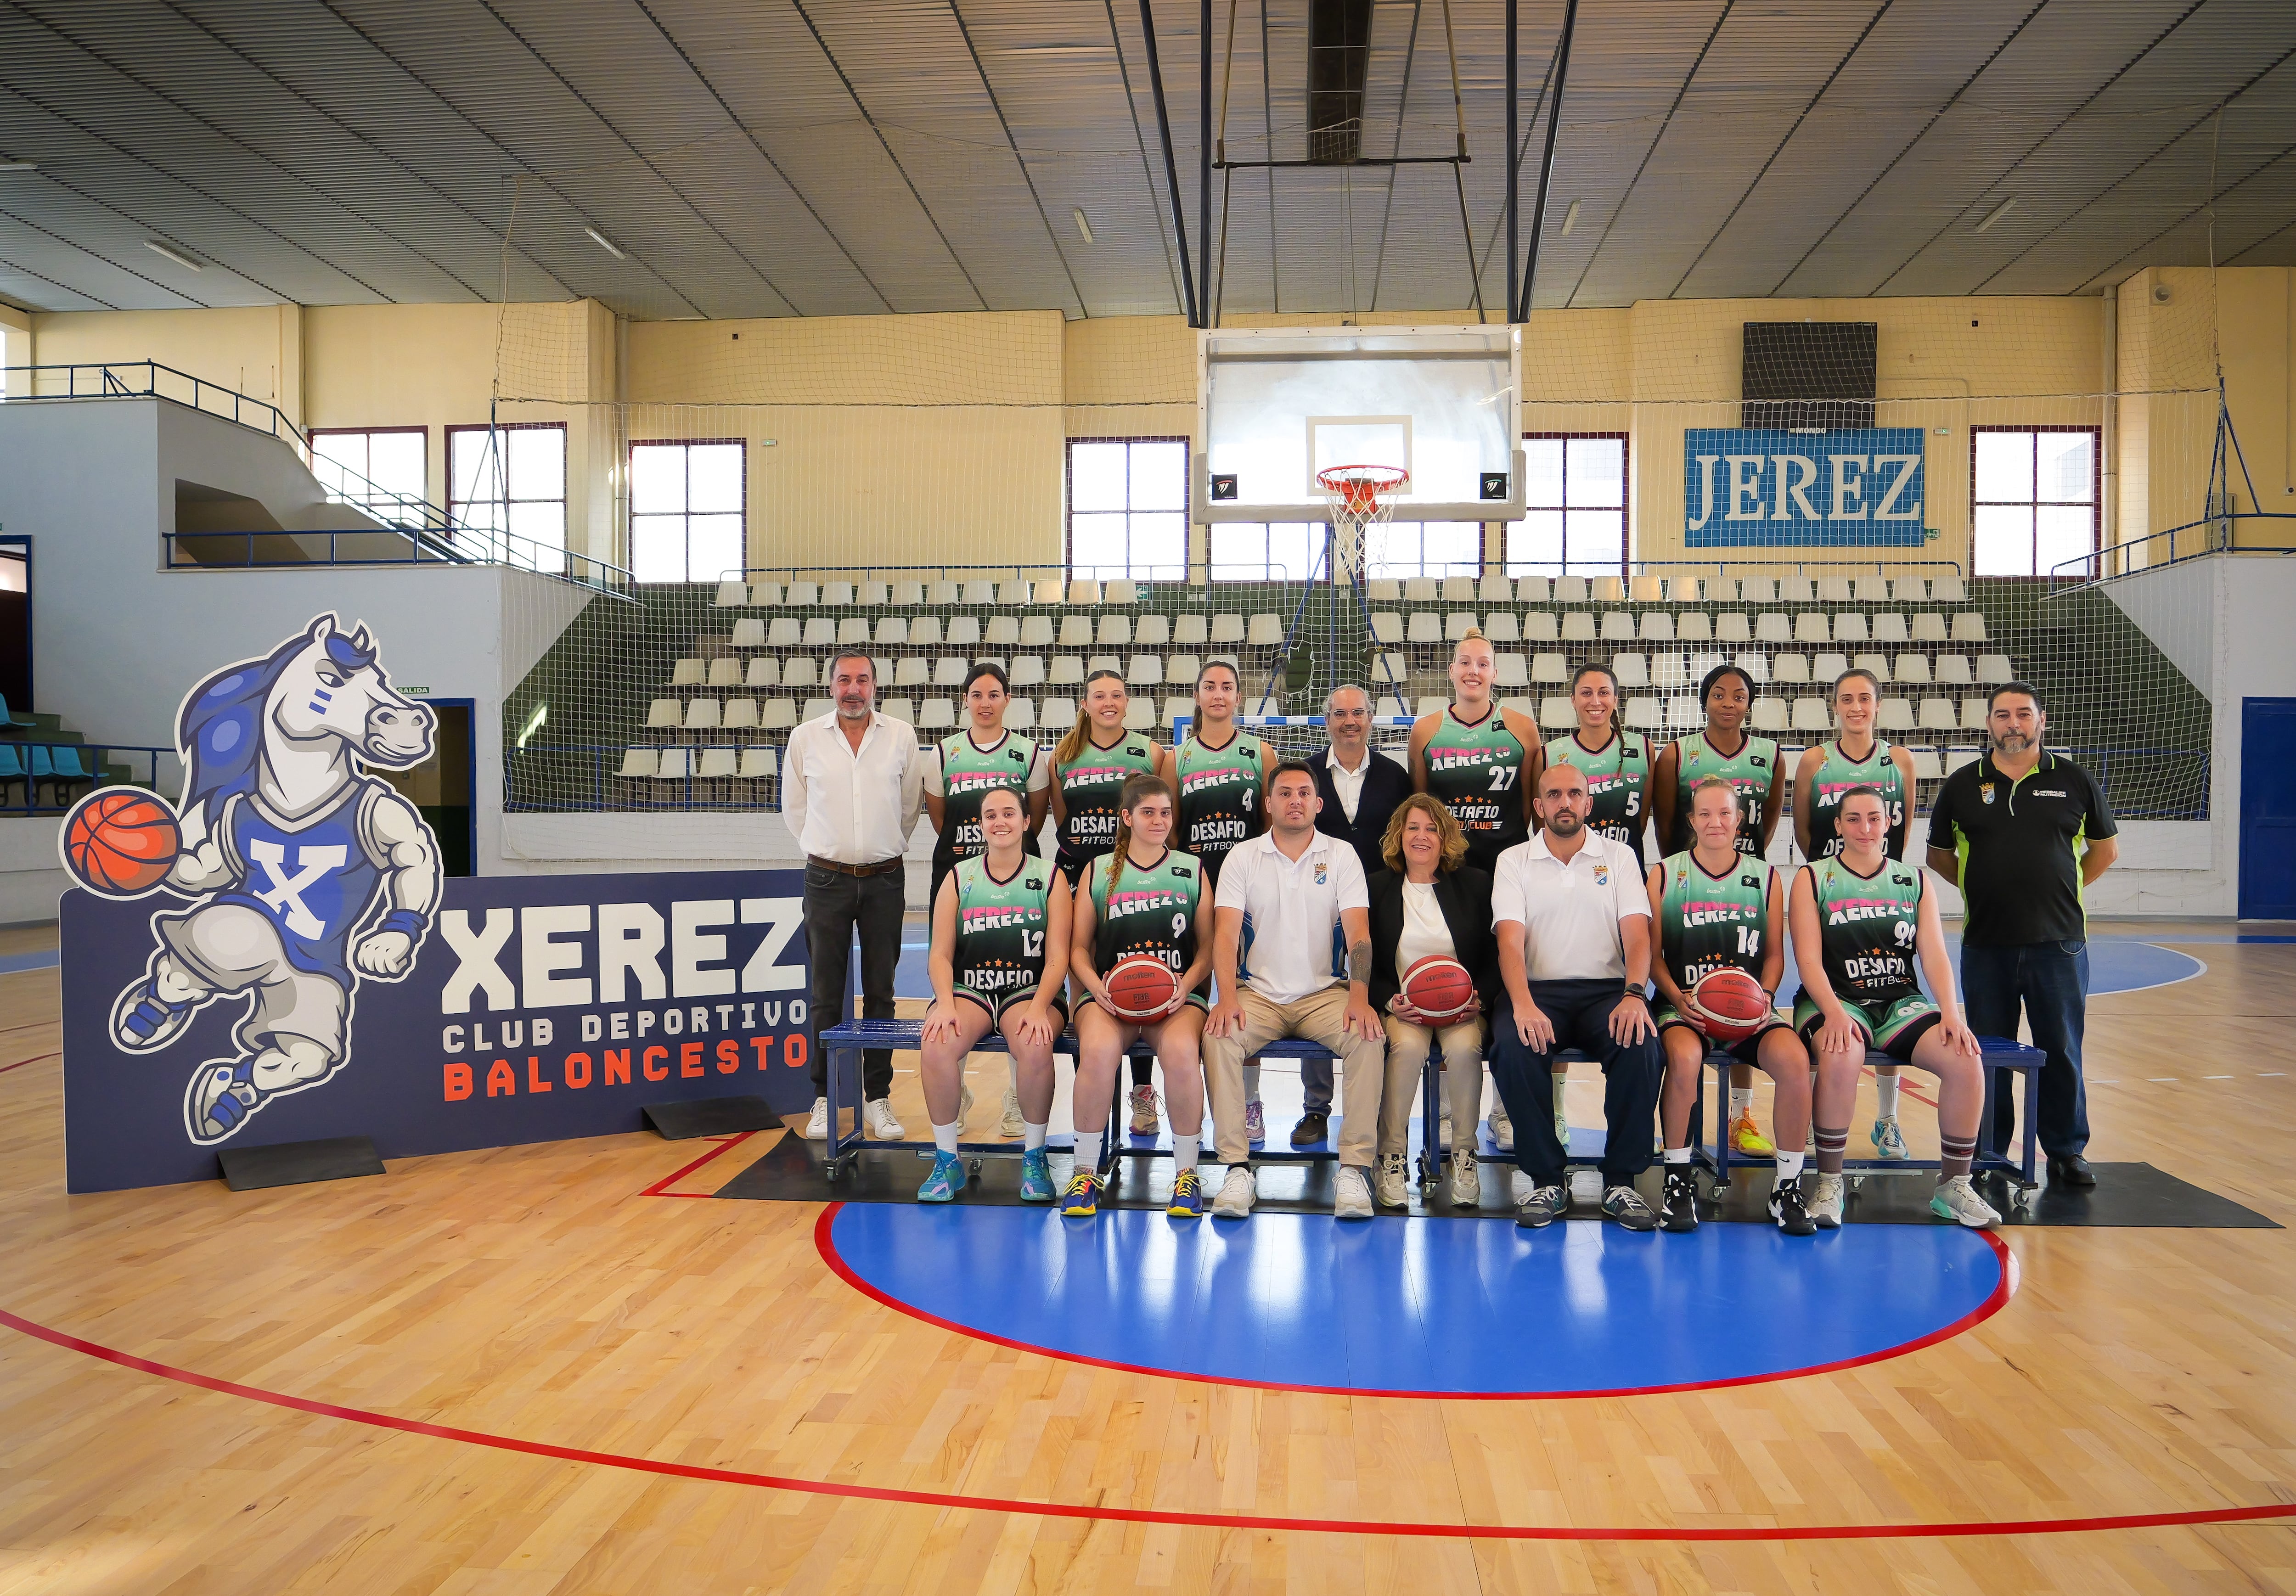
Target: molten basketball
[(1729, 1005), (120, 841), (1142, 987), (1440, 989)]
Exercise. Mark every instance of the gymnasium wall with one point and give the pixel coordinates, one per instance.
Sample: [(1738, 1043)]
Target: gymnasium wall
[(912, 439)]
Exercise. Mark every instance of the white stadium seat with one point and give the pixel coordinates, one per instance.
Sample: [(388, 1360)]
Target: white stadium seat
[(752, 634), (908, 594), (979, 592), (1003, 631), (1556, 713), (882, 667), (1953, 669), (1534, 590), (1928, 627), (1973, 712), (725, 671), (759, 765), (1774, 626), (1632, 670), (1384, 590), (1175, 707), (701, 715), (938, 714), (1191, 630), (1869, 590), (1549, 667), (1927, 765), (1646, 590), (912, 670), (1115, 631), (873, 595), (900, 708), (893, 631), (1894, 715), (765, 671), (1266, 630), (1058, 714), (1685, 714), (741, 714), (1797, 590), (1811, 715), (1432, 703), (802, 595), (1421, 590), (1425, 627), (1084, 594), (1731, 626), (1020, 714), (1948, 589), (1227, 628), (1994, 669), (660, 713), (1695, 626), (963, 631), (836, 595), (1827, 668), (1657, 627), (820, 632), (1936, 714), (1876, 663), (1771, 715), (1642, 714), (1392, 667), (1122, 590), (1912, 669), (1386, 626), (1499, 625), (1457, 623), (1458, 590), (685, 672), (1578, 626), (1810, 627), (1969, 626), (1618, 626), (1075, 631), (1755, 665), (1833, 590), (640, 762), (1849, 627), (674, 765), (1146, 670), (1513, 671), (942, 593), (1571, 590), (777, 715), (1610, 590), (1153, 632), (948, 671), (1029, 671), (732, 595), (1668, 670), (1758, 590), (1067, 670), (1495, 589), (718, 763), (1139, 715), (1539, 627), (799, 672), (1890, 626), (1035, 632), (853, 629), (1954, 758), (1789, 668), (765, 592), (1181, 670), (1047, 591)]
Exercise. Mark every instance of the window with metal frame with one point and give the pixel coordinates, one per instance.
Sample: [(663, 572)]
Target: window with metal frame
[(2034, 498), (1401, 549), (1258, 551), (511, 480), (1127, 504), (689, 520), (384, 470), (1574, 506)]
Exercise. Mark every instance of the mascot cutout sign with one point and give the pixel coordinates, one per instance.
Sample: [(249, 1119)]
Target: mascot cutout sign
[(290, 874)]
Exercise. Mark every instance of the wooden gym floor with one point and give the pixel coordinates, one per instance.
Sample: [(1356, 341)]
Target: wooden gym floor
[(538, 1369)]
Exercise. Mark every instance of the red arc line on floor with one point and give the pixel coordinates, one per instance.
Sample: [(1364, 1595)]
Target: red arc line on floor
[(1054, 1510), (19, 1063)]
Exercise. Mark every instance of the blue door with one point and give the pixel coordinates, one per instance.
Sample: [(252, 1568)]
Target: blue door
[(2268, 808)]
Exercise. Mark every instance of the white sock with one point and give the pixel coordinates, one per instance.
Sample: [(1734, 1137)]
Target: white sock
[(1885, 1096), (1251, 1082), (1013, 1069), (1677, 1155), (1087, 1151), (944, 1137), (1032, 1136), (1789, 1168), (1184, 1151), (1742, 1101)]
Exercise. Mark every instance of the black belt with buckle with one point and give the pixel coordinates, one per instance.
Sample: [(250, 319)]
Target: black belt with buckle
[(878, 869)]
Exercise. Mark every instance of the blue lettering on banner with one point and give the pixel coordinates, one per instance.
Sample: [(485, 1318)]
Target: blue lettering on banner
[(544, 1008), (1858, 487)]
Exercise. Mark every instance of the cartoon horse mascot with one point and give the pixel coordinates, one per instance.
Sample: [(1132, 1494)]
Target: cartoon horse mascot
[(308, 874)]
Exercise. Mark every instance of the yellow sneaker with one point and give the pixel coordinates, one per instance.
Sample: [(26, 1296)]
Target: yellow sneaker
[(1747, 1141)]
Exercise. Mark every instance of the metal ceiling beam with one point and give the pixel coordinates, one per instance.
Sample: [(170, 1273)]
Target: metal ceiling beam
[(1172, 167), (1521, 313), (1514, 150), (1147, 170), (995, 105), (1203, 150)]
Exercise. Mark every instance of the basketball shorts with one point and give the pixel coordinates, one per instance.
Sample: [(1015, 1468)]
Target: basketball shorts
[(1748, 1051), (1001, 1007), (1893, 1027)]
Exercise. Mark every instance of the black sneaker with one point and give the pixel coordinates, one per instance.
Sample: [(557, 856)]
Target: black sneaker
[(1625, 1206), (1315, 1127), (1790, 1209), (1678, 1209)]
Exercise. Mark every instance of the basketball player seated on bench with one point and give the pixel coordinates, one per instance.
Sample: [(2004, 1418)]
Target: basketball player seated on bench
[(1139, 910), (1859, 920), (1000, 949), (1721, 919)]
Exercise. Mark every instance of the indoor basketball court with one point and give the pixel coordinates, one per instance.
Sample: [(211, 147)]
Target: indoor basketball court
[(584, 586)]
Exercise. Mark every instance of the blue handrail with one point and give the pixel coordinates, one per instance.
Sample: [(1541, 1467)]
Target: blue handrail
[(31, 762)]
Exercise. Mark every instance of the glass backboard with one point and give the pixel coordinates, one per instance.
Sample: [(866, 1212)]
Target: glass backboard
[(1278, 405)]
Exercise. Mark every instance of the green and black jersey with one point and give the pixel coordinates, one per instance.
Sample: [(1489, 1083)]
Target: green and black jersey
[(1708, 922), (1219, 798), (1090, 784), (1001, 927), (1836, 775), (1618, 781), (1868, 925), (1146, 909), (968, 774), (1750, 771), (1476, 770)]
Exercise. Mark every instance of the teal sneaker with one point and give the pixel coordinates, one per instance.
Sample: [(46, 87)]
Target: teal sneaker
[(946, 1180), (1889, 1141), (1187, 1197), (1036, 1177), (1082, 1199)]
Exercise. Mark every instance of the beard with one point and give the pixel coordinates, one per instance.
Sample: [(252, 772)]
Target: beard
[(2012, 742), (1563, 823)]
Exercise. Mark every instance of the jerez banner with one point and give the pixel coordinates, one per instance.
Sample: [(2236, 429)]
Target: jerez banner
[(275, 958), (1859, 488)]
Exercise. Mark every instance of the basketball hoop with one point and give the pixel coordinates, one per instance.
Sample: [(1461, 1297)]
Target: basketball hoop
[(1357, 495)]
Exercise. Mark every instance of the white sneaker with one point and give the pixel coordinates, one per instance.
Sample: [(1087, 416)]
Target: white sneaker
[(1825, 1202), (1394, 1183), (964, 1104), (1235, 1194), (877, 1119), (1353, 1194), (1957, 1199), (1561, 1113), (1466, 1179), (1145, 1116), (1443, 1134), (816, 1125), (1011, 1125), (1502, 1128)]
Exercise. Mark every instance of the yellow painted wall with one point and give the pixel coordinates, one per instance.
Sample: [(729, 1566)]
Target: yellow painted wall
[(921, 440)]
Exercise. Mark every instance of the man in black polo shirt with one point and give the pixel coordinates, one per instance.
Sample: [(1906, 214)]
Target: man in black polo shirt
[(2023, 833)]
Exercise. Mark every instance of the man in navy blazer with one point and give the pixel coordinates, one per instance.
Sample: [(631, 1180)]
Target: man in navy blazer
[(1360, 789)]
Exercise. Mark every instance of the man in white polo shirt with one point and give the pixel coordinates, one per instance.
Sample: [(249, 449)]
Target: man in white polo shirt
[(1574, 938), (1291, 950)]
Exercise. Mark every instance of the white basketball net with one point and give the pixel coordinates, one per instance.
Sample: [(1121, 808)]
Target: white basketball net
[(1357, 496)]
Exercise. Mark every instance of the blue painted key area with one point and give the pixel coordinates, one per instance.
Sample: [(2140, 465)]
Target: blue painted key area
[(1418, 1307)]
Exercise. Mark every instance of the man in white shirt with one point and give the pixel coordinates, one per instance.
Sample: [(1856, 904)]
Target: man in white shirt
[(1574, 934), (1292, 951), (852, 787)]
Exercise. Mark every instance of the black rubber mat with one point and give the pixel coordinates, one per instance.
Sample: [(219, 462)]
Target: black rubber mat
[(299, 1163), (2127, 1196), (710, 1117)]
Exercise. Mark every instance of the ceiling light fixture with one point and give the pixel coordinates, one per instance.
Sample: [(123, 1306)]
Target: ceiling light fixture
[(1997, 212), (1570, 219), (605, 243), (19, 165), (1083, 228), (174, 254)]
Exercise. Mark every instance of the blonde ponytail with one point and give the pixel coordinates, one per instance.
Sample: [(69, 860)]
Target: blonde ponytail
[(1071, 742)]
